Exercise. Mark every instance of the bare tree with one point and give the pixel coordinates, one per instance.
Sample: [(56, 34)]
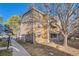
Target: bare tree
[(67, 14)]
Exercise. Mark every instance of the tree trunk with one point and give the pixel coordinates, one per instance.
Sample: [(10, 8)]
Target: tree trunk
[(8, 42), (65, 40)]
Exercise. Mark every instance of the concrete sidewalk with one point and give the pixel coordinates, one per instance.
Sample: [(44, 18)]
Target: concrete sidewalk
[(18, 50)]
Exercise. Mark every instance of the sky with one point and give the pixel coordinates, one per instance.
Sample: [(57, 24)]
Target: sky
[(9, 9)]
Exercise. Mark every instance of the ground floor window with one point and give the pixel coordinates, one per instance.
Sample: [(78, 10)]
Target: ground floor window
[(53, 35)]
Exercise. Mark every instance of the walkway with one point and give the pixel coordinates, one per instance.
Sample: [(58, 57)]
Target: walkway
[(4, 48), (69, 50), (18, 50)]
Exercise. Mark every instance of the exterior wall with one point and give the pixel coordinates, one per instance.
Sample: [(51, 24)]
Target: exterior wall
[(54, 29), (35, 22), (26, 27), (39, 27)]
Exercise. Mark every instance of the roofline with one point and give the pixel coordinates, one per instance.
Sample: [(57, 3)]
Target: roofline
[(38, 10), (33, 9)]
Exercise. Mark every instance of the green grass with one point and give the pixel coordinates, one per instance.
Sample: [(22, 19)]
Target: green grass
[(3, 44), (6, 52)]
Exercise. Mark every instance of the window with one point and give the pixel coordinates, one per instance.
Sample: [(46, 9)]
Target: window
[(39, 34), (53, 35), (54, 27), (39, 25)]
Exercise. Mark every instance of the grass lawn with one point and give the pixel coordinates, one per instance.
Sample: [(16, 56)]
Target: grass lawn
[(6, 52), (3, 44), (41, 50)]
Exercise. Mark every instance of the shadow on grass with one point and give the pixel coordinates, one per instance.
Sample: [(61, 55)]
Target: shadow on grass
[(73, 43), (42, 50)]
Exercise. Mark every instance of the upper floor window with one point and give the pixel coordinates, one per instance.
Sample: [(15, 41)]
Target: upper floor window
[(53, 35), (54, 27), (39, 25)]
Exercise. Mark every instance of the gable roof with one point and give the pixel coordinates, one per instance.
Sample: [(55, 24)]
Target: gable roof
[(37, 10), (33, 8)]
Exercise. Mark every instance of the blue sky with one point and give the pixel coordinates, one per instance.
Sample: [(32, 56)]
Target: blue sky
[(9, 9)]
